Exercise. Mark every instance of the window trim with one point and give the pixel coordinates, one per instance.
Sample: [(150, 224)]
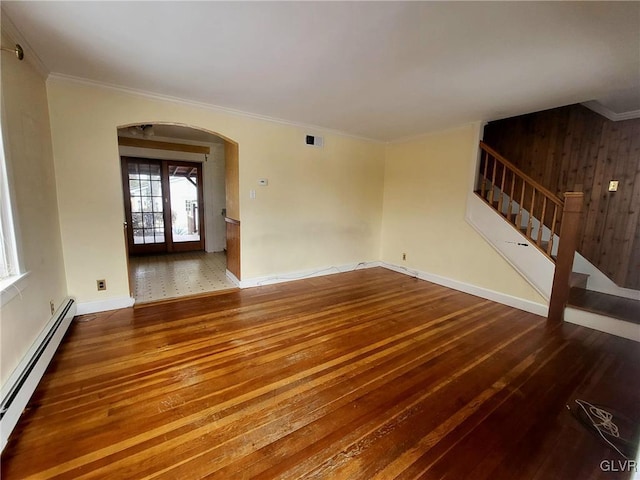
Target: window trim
[(15, 276), (9, 251), (13, 286)]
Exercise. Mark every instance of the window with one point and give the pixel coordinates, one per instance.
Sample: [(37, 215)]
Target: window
[(8, 252)]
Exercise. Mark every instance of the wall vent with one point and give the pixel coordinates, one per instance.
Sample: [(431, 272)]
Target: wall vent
[(314, 141)]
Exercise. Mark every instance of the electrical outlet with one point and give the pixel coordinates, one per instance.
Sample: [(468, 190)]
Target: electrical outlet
[(102, 284), (404, 256), (52, 306)]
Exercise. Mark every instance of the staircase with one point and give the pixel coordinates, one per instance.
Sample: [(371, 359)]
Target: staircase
[(551, 225)]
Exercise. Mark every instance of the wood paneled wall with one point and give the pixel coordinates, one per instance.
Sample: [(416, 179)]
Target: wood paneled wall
[(233, 246), (575, 149)]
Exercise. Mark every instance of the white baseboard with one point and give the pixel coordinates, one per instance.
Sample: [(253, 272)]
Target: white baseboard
[(503, 298), (233, 279), (519, 303), (299, 275), (602, 323), (18, 388), (105, 305)]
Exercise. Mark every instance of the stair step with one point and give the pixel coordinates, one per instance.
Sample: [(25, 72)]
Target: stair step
[(621, 308), (578, 280), (511, 218)]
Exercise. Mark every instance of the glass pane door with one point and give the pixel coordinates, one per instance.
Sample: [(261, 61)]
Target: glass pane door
[(144, 183), (184, 193), (163, 205)]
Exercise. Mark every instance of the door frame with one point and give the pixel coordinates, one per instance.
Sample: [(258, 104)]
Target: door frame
[(132, 247), (175, 247), (168, 246)]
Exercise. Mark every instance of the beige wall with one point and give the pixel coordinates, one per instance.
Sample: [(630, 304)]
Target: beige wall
[(322, 207), (27, 143), (425, 191)]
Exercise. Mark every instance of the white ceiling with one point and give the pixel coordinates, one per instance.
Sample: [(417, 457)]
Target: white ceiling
[(381, 70)]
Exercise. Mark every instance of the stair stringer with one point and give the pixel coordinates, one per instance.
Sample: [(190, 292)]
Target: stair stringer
[(599, 282), (534, 266)]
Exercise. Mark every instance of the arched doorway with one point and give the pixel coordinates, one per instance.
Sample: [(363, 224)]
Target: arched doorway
[(180, 189)]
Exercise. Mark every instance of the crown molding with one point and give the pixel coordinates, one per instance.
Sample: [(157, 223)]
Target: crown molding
[(610, 114), (54, 76), (30, 56), (431, 133)]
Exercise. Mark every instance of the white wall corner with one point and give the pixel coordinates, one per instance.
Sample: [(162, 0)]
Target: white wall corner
[(104, 305), (30, 54)]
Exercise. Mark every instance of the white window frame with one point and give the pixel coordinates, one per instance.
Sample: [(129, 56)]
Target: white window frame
[(12, 277)]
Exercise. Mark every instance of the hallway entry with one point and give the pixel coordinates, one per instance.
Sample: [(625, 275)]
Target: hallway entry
[(161, 277), (181, 215)]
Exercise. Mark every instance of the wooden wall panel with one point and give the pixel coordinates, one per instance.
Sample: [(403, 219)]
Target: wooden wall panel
[(575, 149), (233, 246)]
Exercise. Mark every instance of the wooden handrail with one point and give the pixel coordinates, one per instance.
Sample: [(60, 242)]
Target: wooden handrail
[(548, 193)]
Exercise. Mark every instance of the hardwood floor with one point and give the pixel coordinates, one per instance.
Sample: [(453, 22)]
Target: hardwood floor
[(362, 375)]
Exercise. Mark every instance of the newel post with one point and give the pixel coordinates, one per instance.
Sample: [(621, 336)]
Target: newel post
[(569, 229)]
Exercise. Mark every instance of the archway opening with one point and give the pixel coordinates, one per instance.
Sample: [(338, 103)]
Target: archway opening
[(180, 193)]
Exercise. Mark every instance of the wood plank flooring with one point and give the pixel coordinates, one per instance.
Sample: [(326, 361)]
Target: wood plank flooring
[(363, 375)]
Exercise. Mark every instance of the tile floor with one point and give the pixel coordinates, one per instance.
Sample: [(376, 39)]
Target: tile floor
[(160, 277)]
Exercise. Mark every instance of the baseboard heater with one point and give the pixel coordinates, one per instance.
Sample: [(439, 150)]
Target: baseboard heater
[(25, 378)]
